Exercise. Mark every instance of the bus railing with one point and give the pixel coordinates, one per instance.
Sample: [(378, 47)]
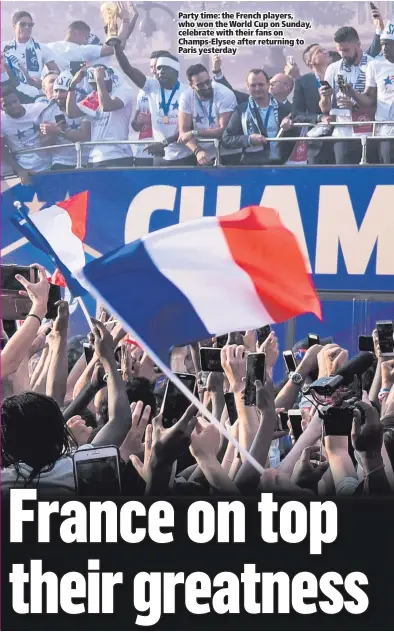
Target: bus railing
[(362, 138)]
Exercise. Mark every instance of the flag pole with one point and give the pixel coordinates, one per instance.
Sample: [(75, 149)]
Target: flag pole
[(178, 383), (86, 313)]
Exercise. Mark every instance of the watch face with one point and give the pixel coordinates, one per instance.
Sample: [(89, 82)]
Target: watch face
[(296, 378)]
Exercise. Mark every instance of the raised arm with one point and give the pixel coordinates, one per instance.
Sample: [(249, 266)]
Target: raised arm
[(58, 368), (16, 348), (136, 76)]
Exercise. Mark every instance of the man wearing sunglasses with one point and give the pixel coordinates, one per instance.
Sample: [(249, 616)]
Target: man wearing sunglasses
[(205, 109), (31, 56)]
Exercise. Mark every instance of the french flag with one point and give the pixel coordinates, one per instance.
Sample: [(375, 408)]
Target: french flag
[(59, 231), (209, 276)]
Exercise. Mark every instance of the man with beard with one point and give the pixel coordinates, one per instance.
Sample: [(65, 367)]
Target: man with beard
[(57, 128), (379, 92), (351, 69), (205, 109)]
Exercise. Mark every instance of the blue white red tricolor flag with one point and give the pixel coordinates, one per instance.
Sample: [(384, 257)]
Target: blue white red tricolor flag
[(209, 276), (59, 231), (187, 282)]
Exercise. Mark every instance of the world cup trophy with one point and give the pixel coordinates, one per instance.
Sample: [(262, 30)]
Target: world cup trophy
[(110, 13)]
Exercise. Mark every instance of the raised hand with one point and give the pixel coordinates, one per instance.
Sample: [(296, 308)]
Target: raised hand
[(330, 359), (205, 440), (79, 430), (38, 292), (270, 348), (233, 358), (103, 342), (133, 444)]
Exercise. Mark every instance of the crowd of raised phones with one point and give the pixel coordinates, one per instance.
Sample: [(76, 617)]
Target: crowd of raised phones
[(66, 92), (97, 417)]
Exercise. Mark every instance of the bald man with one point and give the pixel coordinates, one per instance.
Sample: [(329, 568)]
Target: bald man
[(281, 86)]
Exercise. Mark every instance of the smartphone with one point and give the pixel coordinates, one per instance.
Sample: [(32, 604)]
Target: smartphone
[(325, 84), (60, 118), (255, 370), (341, 81), (221, 340), (365, 344), (55, 294), (338, 421), (263, 333), (290, 60), (76, 67), (231, 407), (295, 417), (283, 416), (8, 272), (88, 351), (15, 307), (96, 471), (289, 359), (313, 339), (210, 359), (175, 403), (385, 336)]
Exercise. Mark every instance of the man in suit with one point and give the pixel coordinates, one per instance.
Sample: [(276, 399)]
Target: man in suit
[(306, 99), (255, 120)]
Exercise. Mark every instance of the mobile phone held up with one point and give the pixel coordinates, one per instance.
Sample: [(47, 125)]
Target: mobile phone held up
[(365, 344), (221, 340), (210, 359), (75, 67), (96, 471), (385, 336), (263, 333), (231, 407), (60, 118), (175, 403), (255, 370), (289, 360), (295, 418), (88, 351), (15, 307), (313, 339)]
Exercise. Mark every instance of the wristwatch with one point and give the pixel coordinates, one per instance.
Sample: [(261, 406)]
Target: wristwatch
[(165, 143), (296, 378)]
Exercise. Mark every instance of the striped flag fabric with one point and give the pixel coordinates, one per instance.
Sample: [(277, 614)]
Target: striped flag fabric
[(210, 276)]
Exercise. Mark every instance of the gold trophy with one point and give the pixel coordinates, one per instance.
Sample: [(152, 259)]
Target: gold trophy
[(110, 13)]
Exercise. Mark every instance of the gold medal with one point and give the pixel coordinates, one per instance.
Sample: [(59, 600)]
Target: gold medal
[(165, 119)]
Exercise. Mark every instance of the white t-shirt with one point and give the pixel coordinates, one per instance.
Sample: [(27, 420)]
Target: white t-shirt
[(67, 155), (110, 126), (352, 76), (142, 106), (24, 133), (43, 55), (206, 113), (380, 75), (161, 127), (66, 52)]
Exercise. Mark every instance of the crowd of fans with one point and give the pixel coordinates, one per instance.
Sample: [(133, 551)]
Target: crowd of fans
[(65, 92), (56, 402)]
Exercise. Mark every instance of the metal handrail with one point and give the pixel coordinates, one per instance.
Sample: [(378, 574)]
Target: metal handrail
[(78, 146)]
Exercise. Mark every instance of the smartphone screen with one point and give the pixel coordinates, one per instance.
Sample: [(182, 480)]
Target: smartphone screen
[(175, 403), (210, 359), (97, 472), (231, 407), (221, 340), (263, 333), (60, 118), (313, 339), (88, 351), (54, 296), (76, 67), (289, 359), (255, 370), (8, 272), (365, 344), (283, 420), (295, 418), (385, 336), (325, 84)]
